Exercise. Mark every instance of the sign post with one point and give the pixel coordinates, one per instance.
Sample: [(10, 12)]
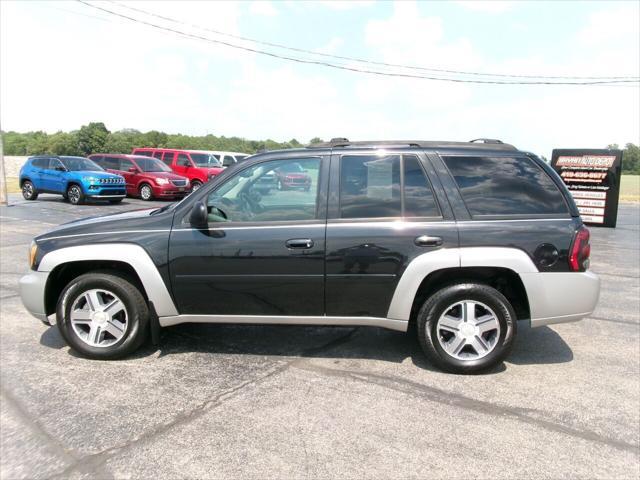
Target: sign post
[(593, 178)]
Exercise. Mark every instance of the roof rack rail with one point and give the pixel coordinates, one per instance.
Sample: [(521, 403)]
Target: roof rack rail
[(485, 143), (487, 140)]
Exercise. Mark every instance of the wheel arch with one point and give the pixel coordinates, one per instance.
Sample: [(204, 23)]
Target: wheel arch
[(67, 263), (499, 267)]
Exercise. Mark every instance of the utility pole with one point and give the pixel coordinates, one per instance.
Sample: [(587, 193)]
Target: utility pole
[(3, 179)]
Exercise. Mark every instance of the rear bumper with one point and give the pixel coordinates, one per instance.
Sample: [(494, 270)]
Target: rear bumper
[(560, 297), (32, 287)]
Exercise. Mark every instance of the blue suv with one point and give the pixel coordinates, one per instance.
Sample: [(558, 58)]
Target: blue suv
[(75, 178)]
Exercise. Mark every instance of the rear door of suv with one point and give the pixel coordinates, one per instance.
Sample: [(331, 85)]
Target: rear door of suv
[(386, 207)]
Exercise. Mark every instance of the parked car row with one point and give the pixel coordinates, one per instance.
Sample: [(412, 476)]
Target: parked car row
[(147, 173)]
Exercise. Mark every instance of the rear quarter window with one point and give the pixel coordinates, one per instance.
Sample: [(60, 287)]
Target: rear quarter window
[(504, 186)]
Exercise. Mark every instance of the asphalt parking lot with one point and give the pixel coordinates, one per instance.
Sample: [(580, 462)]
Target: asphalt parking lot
[(302, 402)]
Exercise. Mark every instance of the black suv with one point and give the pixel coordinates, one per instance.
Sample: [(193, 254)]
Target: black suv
[(461, 239)]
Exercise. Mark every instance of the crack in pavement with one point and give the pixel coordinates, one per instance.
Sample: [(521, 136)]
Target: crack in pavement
[(92, 462), (460, 401)]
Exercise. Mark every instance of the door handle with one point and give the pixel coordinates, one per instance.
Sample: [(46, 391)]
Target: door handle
[(427, 241), (302, 243)]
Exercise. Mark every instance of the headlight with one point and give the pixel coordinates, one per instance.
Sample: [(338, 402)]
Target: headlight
[(90, 179), (162, 181), (33, 250)]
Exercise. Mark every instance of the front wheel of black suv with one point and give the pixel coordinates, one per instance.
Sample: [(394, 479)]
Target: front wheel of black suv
[(466, 327), (102, 316)]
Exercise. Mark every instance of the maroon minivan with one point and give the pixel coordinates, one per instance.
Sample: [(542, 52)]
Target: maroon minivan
[(145, 177)]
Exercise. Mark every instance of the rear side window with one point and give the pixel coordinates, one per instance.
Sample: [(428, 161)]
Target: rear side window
[(157, 154), (145, 153), (40, 162), (418, 196), (505, 186), (371, 187)]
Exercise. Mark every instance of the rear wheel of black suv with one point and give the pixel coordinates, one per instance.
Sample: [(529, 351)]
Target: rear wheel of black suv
[(466, 327), (29, 191), (102, 316)]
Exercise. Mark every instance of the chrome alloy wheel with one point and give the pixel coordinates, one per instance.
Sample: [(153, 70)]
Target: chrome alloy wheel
[(468, 330), (99, 318), (74, 194), (27, 190), (145, 192)]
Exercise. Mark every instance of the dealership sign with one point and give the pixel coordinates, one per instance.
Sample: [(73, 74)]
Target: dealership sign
[(593, 178)]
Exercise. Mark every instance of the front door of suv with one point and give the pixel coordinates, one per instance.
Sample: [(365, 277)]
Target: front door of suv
[(53, 176), (262, 254), (386, 209)]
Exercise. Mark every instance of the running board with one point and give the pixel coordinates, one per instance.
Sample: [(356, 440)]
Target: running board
[(398, 325)]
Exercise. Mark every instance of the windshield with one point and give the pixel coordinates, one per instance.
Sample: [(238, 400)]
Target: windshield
[(151, 165), (205, 160), (76, 164), (239, 158)]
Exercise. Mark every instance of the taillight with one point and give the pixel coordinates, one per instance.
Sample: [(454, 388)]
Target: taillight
[(580, 251)]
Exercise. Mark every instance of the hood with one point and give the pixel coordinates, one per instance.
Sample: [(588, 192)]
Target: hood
[(169, 175), (214, 170), (99, 223), (96, 174)]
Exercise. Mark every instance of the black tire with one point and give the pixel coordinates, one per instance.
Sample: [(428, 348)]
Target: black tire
[(146, 192), (195, 185), (436, 306), (75, 195), (114, 201), (136, 308), (29, 191)]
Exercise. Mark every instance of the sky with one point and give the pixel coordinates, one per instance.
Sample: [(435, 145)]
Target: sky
[(64, 64)]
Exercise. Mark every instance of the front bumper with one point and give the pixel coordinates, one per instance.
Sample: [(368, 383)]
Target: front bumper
[(32, 287), (559, 297)]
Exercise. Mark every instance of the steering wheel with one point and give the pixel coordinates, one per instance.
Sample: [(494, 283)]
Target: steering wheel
[(250, 203)]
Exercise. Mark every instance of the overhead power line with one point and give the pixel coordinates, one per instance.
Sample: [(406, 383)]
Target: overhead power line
[(352, 68), (366, 61)]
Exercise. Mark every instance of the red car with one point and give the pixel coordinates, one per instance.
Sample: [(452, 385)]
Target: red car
[(291, 176), (145, 177), (197, 165)]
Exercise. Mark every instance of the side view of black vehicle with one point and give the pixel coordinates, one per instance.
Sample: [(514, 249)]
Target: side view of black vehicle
[(461, 238)]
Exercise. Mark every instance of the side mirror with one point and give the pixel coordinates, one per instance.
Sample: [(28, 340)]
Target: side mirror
[(198, 217), (60, 168), (133, 169)]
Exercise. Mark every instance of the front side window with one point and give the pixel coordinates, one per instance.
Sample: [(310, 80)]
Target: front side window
[(78, 164), (183, 160), (112, 163), (258, 194), (205, 160), (159, 154), (151, 165), (126, 164), (505, 186)]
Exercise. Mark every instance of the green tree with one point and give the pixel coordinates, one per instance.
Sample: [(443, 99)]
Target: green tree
[(315, 140), (92, 138), (61, 143), (631, 159)]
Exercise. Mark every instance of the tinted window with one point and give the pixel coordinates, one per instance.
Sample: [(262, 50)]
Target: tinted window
[(505, 186), (145, 153), (228, 161), (40, 162), (206, 159), (54, 164), (112, 163), (151, 165), (183, 160), (126, 164), (168, 158), (253, 195), (158, 154), (370, 186), (418, 196)]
